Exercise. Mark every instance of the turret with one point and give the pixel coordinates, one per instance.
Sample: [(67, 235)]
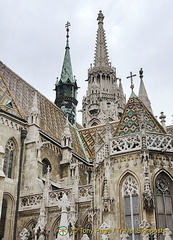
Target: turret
[(66, 87)]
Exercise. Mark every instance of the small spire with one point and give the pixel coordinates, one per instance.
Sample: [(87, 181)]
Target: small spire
[(162, 120), (67, 73), (143, 96)]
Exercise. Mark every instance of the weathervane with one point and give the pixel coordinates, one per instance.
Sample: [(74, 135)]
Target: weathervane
[(67, 28), (131, 78)]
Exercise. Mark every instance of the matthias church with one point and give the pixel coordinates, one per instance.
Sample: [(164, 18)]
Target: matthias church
[(109, 178)]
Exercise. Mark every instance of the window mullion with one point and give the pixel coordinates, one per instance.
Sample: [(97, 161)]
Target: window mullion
[(132, 220)]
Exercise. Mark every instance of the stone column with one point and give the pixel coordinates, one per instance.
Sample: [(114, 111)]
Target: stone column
[(2, 176)]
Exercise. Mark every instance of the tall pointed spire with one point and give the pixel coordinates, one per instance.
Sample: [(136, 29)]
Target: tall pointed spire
[(66, 87), (103, 98), (101, 52), (143, 96), (67, 73)]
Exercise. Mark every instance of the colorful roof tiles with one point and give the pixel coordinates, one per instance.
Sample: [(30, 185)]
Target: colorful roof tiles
[(134, 114), (95, 135), (21, 94)]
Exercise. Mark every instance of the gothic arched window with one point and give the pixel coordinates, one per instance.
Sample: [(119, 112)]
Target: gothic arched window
[(164, 202), (3, 218), (131, 205), (10, 152), (45, 163)]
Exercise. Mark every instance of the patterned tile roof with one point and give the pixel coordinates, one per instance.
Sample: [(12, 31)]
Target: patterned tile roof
[(21, 94), (170, 129), (7, 102), (135, 112), (95, 134)]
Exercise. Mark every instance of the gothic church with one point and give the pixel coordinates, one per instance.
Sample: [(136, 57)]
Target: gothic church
[(111, 178)]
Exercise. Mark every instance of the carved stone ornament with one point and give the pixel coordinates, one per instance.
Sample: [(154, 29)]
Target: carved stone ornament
[(167, 234), (40, 228), (24, 235), (85, 237), (144, 224), (162, 185), (148, 201), (124, 236), (104, 236)]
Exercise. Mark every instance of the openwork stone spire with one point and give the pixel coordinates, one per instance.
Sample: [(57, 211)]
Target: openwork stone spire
[(104, 98), (101, 52)]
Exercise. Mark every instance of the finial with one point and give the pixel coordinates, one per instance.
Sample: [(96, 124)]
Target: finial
[(48, 169), (67, 29), (162, 120), (100, 17), (131, 78), (141, 73)]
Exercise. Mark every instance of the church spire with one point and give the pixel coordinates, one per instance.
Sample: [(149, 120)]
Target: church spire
[(67, 73), (143, 96), (66, 87), (104, 99), (101, 52)]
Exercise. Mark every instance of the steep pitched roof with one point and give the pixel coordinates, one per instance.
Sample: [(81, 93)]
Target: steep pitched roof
[(52, 120), (95, 135), (135, 112)]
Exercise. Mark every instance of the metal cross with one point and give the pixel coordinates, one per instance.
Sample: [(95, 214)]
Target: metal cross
[(67, 28), (131, 78)]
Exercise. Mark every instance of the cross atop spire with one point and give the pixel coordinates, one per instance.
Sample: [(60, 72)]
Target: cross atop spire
[(131, 78), (67, 29), (67, 72)]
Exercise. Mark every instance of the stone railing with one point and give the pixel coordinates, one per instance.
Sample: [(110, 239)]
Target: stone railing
[(85, 192), (34, 201), (160, 142), (30, 202), (132, 142), (125, 144), (55, 196)]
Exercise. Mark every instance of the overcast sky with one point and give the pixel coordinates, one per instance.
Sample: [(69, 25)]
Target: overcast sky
[(139, 34)]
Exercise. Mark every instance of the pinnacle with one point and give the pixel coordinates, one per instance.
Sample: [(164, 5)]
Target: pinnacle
[(101, 52)]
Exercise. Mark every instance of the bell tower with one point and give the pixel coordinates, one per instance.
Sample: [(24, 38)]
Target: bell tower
[(104, 97), (66, 87)]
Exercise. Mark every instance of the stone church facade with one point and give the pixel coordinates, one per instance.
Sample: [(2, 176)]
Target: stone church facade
[(111, 178)]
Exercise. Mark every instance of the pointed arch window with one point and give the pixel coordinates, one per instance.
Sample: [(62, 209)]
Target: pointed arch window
[(3, 218), (164, 202), (45, 163), (131, 206), (10, 153)]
